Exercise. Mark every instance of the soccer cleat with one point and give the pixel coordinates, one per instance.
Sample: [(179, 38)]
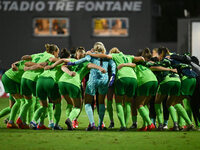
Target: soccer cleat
[(165, 127), (134, 126), (151, 127), (69, 124), (42, 127), (20, 124), (75, 123), (6, 120), (142, 129), (160, 127), (91, 128), (122, 129), (190, 128), (103, 125), (51, 125), (100, 128), (11, 126), (33, 125), (57, 127), (111, 125), (175, 128)]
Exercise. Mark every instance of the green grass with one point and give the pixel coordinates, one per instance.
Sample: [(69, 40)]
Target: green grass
[(80, 139)]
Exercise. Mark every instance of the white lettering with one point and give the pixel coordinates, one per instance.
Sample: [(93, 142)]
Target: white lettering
[(70, 6), (13, 6), (137, 6), (109, 3), (32, 6), (99, 6), (51, 5), (116, 6), (40, 6), (80, 5), (89, 6), (24, 6), (127, 6), (5, 4), (60, 6)]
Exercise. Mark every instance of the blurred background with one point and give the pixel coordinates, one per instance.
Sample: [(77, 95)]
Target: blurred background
[(130, 25)]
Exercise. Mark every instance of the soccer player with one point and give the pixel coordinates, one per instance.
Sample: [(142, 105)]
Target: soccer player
[(125, 84), (29, 78)]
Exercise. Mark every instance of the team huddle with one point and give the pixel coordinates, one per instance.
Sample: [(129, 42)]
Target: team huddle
[(155, 84)]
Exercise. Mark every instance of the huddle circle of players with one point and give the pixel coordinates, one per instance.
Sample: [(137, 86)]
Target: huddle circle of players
[(153, 84)]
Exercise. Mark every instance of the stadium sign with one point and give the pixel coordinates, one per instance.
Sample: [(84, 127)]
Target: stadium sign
[(88, 6)]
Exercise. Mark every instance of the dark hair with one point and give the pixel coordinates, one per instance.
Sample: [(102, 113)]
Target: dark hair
[(50, 48), (146, 53), (163, 50), (64, 53), (79, 49)]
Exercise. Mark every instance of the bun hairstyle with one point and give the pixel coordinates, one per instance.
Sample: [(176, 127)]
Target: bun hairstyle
[(99, 47), (146, 53), (64, 53), (50, 48), (114, 50)]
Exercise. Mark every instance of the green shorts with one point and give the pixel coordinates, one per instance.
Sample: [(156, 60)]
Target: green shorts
[(69, 89), (125, 86), (10, 85), (147, 89), (46, 87), (169, 88), (188, 86), (28, 87)]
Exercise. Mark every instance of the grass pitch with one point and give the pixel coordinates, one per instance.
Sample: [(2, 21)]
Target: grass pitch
[(82, 140)]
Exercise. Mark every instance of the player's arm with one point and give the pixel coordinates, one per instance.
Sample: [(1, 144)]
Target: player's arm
[(93, 66), (26, 57), (14, 67), (53, 59), (34, 67), (160, 68), (132, 65), (58, 62), (66, 70), (113, 66), (99, 55), (139, 59)]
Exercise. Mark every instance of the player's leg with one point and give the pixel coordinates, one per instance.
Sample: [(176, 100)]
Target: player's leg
[(7, 110), (109, 105)]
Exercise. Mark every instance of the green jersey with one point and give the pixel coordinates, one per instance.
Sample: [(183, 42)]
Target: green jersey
[(16, 75), (37, 58), (81, 71), (120, 58), (144, 75)]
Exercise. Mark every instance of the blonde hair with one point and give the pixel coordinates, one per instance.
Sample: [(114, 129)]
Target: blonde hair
[(99, 47), (114, 50), (50, 48)]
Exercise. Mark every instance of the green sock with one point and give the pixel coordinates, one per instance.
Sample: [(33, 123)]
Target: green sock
[(39, 112), (68, 109), (181, 121), (172, 112), (101, 113), (134, 119), (144, 115), (198, 123), (21, 105), (31, 110), (147, 110), (43, 115), (24, 110), (37, 104), (50, 112), (74, 113), (120, 114), (159, 113), (128, 112), (15, 109), (187, 107), (182, 112), (57, 113), (5, 111), (110, 110)]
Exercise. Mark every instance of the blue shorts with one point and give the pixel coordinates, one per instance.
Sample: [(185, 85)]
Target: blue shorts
[(95, 84)]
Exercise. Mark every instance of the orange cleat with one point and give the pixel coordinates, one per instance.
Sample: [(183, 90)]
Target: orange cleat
[(43, 127), (143, 129), (151, 127), (11, 126), (75, 123)]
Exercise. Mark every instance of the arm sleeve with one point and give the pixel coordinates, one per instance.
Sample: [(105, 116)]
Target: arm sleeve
[(80, 61), (113, 66)]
